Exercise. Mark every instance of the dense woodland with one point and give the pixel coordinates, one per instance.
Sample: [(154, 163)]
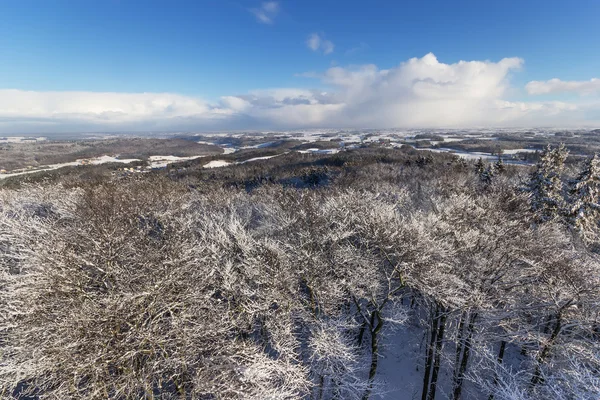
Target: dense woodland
[(283, 278)]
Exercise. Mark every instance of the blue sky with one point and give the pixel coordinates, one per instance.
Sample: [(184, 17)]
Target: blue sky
[(211, 52)]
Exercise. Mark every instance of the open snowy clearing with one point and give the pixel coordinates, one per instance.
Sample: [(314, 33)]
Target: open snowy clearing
[(320, 151), (163, 161), (52, 167), (217, 163), (223, 163), (515, 151)]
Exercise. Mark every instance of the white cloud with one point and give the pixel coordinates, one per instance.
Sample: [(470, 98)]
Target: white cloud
[(316, 42), (267, 12), (420, 92), (357, 49), (557, 86), (327, 47), (30, 111)]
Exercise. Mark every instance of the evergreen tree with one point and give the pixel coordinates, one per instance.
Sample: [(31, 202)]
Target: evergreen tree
[(499, 165), (479, 166), (584, 207), (488, 174), (545, 186)]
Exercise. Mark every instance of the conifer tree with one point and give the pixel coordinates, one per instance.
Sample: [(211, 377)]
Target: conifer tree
[(488, 174), (499, 165), (479, 166), (545, 186), (584, 207)]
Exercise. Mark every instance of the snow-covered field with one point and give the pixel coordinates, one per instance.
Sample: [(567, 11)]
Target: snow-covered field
[(217, 163), (319, 151), (21, 139), (515, 151), (223, 163), (163, 161), (92, 161)]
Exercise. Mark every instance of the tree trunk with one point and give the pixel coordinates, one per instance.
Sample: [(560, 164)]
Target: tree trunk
[(321, 387), (376, 325), (429, 353), (361, 333), (465, 358), (499, 361), (537, 376), (438, 352), (459, 343)]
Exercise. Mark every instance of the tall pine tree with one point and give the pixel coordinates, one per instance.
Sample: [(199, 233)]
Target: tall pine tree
[(479, 166), (499, 165), (545, 187), (584, 196)]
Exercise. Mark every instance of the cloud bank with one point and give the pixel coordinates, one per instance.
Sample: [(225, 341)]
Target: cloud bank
[(418, 93), (557, 86)]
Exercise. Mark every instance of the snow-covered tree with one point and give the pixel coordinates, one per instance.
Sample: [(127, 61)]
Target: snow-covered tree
[(584, 199), (479, 166), (545, 186), (487, 175), (499, 165)]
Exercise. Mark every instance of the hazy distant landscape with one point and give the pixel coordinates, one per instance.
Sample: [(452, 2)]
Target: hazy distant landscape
[(21, 155)]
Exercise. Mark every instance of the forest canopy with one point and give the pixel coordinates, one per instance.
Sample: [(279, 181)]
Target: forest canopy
[(294, 278)]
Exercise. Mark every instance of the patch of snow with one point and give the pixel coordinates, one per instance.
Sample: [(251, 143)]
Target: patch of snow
[(108, 159), (52, 167), (258, 159), (163, 161), (452, 139), (319, 151), (217, 163), (515, 151)]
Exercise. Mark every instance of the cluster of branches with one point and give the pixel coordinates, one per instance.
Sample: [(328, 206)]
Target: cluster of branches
[(150, 289)]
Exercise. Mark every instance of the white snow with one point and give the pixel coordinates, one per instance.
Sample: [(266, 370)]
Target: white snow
[(320, 151), (109, 159), (515, 151), (51, 167), (21, 139), (217, 163), (163, 161), (452, 139), (258, 159), (400, 369), (223, 163), (474, 155)]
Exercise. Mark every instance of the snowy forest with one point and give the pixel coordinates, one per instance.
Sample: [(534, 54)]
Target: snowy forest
[(298, 278)]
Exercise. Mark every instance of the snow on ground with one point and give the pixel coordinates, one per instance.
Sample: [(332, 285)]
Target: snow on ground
[(515, 151), (473, 155), (51, 167), (400, 370), (320, 151), (258, 146), (226, 150), (163, 161), (259, 158), (452, 139), (223, 163), (21, 139), (216, 164), (109, 159)]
